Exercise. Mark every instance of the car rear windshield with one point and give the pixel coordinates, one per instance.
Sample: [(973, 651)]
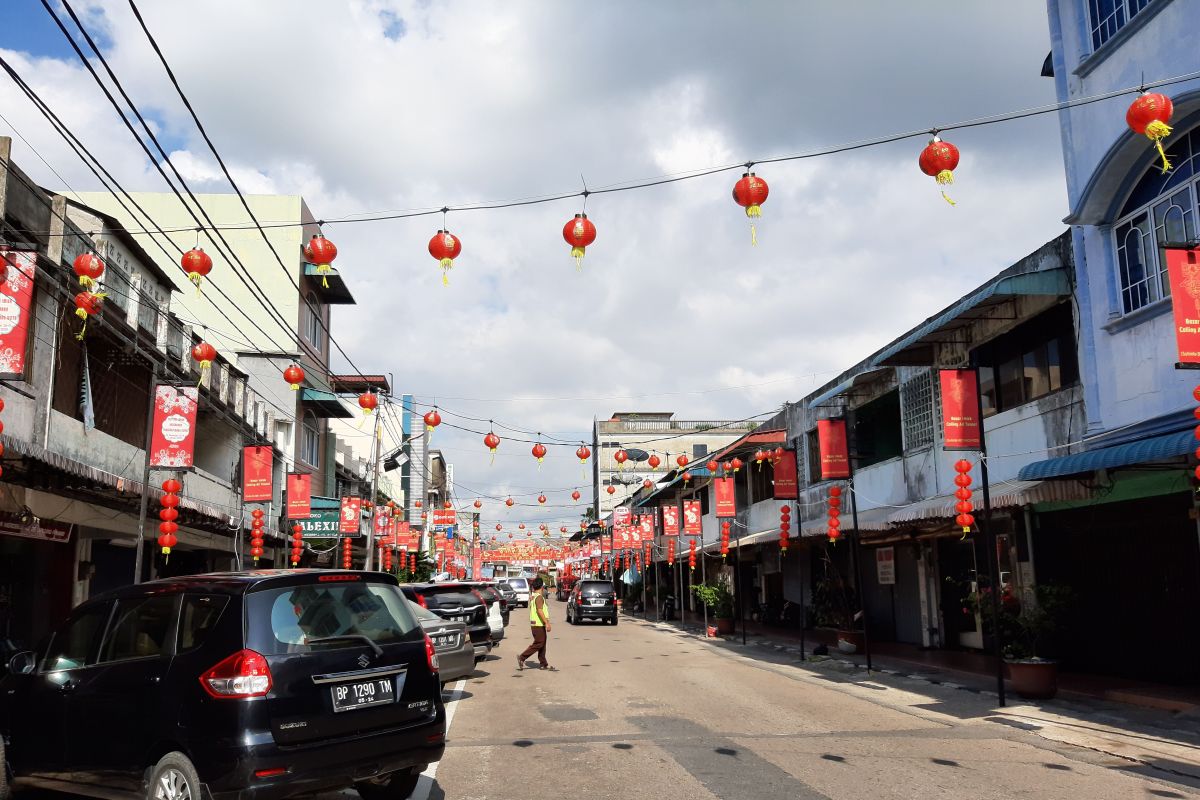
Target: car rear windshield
[(423, 613), (518, 583), (596, 587), (292, 619)]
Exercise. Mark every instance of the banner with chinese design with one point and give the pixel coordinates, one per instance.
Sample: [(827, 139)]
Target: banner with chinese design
[(960, 409), (726, 504), (620, 516), (16, 300), (351, 516), (1183, 269), (786, 487), (646, 523), (670, 518), (173, 439), (835, 455), (299, 495), (258, 484), (691, 518)]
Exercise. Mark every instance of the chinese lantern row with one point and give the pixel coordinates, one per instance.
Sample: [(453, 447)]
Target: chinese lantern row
[(256, 534), (833, 511), (347, 553), (785, 524), (963, 507), (772, 457), (729, 467), (297, 544), (692, 554), (725, 525), (671, 550), (167, 527)]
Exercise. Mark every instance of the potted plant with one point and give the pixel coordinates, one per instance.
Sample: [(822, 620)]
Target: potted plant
[(719, 600), (1028, 632), (835, 604)]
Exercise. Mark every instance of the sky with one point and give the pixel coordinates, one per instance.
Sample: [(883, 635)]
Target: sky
[(381, 105)]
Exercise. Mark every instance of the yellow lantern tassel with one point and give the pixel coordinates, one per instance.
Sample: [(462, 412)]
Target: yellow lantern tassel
[(753, 212), (1157, 131), (86, 282), (205, 366), (446, 263), (323, 270), (196, 278), (577, 254), (945, 178), (493, 461)]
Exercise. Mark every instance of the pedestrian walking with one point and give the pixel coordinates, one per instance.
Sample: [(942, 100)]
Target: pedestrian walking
[(539, 621)]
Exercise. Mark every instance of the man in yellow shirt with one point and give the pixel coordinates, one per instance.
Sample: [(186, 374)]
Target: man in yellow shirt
[(539, 621)]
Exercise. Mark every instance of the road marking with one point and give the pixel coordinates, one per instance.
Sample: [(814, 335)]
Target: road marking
[(425, 784)]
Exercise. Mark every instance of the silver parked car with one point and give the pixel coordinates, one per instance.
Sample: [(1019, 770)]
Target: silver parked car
[(456, 654)]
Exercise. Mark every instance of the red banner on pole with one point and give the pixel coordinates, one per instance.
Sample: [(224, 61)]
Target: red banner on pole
[(670, 516), (16, 300), (786, 487), (173, 440), (835, 455), (960, 409), (621, 516), (726, 504), (646, 523), (351, 518), (258, 484), (299, 495), (1183, 269), (691, 518)]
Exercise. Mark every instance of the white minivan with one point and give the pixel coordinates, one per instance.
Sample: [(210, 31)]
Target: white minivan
[(521, 587)]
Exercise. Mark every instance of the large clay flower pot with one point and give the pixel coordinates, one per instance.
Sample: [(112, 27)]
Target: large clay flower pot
[(1034, 678), (850, 641), (724, 625)]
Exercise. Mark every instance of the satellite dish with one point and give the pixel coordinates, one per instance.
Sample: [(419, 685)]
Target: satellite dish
[(636, 454)]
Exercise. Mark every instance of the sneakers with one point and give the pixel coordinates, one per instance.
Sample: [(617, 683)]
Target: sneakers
[(520, 663)]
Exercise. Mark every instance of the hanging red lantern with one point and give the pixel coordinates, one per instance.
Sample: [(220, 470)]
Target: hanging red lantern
[(785, 523), (575, 495), (491, 441), (197, 264), (833, 509), (321, 252), (611, 490), (368, 402), (445, 247), (521, 526), (620, 457), (166, 538), (541, 499), (446, 505), (646, 484), (712, 466), (583, 454), (1149, 115), (671, 550), (478, 504), (509, 502), (579, 233), (681, 460), (963, 480), (750, 192), (204, 354), (416, 503), (432, 420), (499, 527), (653, 461), (87, 305), (170, 500), (171, 485), (89, 268), (168, 514), (939, 160), (539, 452), (687, 476), (759, 456), (737, 464), (294, 375)]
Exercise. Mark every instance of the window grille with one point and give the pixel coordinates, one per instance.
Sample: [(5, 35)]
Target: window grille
[(916, 411), (1109, 16)]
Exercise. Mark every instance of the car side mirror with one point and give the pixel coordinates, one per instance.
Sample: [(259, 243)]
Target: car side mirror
[(22, 663)]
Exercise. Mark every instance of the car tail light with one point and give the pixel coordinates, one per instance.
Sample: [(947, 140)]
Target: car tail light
[(421, 601), (243, 674), (479, 597), (431, 655), (270, 773)]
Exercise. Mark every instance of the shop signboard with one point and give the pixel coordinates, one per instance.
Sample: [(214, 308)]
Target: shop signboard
[(885, 565), (960, 409), (835, 455), (321, 523)]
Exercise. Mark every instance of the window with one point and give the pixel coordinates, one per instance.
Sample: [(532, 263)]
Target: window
[(139, 628), (1109, 16), (310, 441), (327, 616), (197, 619), (1160, 209), (916, 411), (762, 480), (699, 450), (876, 430), (1031, 361), (75, 645), (812, 447), (313, 327)]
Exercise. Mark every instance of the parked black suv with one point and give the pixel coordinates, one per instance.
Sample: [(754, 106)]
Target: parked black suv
[(229, 685), (457, 601), (592, 600)]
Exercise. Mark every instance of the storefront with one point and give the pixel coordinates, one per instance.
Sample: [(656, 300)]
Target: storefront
[(37, 572)]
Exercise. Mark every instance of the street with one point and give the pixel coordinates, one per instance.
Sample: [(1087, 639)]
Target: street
[(646, 709)]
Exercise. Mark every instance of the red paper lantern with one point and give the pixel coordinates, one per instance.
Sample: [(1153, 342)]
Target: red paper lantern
[(737, 464), (478, 504), (432, 420), (499, 526), (539, 451), (962, 479), (294, 375), (509, 502), (368, 402), (491, 441), (583, 454), (611, 490), (445, 247), (321, 252), (204, 354), (541, 499), (965, 521), (712, 466), (962, 466), (653, 461), (168, 514), (417, 503), (446, 505), (1149, 115), (620, 457), (750, 192), (681, 460), (939, 160), (646, 484), (579, 233), (89, 268), (521, 526), (171, 485), (687, 476), (87, 304), (197, 264), (170, 500), (575, 495)]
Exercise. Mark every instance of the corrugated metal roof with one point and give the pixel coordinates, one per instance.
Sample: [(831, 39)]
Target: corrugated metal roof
[(1156, 448), (1009, 494)]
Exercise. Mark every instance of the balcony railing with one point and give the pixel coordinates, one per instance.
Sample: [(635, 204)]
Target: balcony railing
[(673, 425)]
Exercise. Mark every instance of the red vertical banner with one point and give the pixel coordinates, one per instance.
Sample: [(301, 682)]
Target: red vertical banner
[(476, 563), (299, 495), (351, 516), (258, 485), (16, 302), (691, 518), (960, 409), (646, 523), (173, 439), (621, 516), (670, 517), (786, 487), (1183, 269), (835, 455), (726, 504)]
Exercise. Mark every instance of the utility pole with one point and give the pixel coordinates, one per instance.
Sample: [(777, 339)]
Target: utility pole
[(145, 502), (375, 451)]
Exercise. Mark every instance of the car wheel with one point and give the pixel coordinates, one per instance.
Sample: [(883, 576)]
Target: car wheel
[(614, 619), (396, 786), (173, 778)]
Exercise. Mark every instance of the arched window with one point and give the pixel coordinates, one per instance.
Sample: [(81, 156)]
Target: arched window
[(310, 441), (1161, 208)]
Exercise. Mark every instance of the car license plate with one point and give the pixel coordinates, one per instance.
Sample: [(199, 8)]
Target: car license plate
[(597, 602), (363, 694)]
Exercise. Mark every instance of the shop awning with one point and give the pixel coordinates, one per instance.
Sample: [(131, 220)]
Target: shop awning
[(915, 348), (872, 519), (324, 404), (336, 293), (847, 385), (772, 437), (1156, 448), (1007, 494)]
